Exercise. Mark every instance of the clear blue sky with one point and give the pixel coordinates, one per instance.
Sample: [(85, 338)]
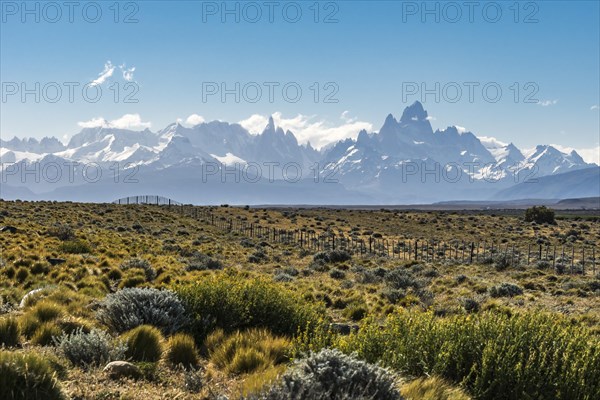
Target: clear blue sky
[(373, 48)]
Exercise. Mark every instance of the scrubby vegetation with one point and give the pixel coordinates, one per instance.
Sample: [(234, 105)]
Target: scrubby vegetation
[(330, 374), (202, 311), (234, 303), (181, 351), (132, 307), (90, 349), (520, 356), (245, 352), (433, 388), (9, 332), (540, 215), (144, 343), (28, 376)]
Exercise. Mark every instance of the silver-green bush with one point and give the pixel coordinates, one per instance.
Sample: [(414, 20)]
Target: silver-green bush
[(505, 290), (332, 375), (90, 349), (132, 307)]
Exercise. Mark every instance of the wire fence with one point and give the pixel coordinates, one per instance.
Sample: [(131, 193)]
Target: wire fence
[(148, 199), (567, 258)]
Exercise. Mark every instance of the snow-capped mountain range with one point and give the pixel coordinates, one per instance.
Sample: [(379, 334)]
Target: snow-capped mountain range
[(406, 161)]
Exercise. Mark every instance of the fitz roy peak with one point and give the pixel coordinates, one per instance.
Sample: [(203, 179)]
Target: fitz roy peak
[(406, 161)]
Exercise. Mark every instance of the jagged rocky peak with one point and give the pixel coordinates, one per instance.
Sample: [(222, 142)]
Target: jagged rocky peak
[(363, 137), (575, 157), (414, 112), (514, 153), (271, 124), (390, 121), (32, 145)]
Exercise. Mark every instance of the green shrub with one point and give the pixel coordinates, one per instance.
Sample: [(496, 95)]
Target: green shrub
[(245, 352), (132, 307), (144, 343), (529, 355), (471, 305), (42, 312), (234, 304), (28, 323), (132, 282), (75, 247), (22, 262), (401, 278), (46, 311), (181, 350), (114, 274), (316, 336), (356, 312), (39, 268), (337, 274), (501, 263), (62, 232), (22, 274), (138, 263), (332, 256), (281, 276), (506, 290), (333, 375), (201, 262), (27, 376), (432, 388), (90, 349), (540, 215), (9, 332), (246, 360), (10, 272), (44, 335), (70, 324)]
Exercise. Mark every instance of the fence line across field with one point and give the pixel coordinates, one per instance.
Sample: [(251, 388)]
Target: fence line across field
[(569, 258), (572, 259), (147, 199)]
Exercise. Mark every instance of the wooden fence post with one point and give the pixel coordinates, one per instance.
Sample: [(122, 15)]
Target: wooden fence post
[(472, 251), (416, 249)]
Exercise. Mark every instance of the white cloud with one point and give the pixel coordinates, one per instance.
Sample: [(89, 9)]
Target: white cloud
[(94, 123), (346, 118), (127, 72), (109, 70), (590, 155), (431, 118), (254, 124), (460, 129), (194, 120), (490, 142), (595, 107), (106, 73), (308, 129), (130, 121), (547, 103), (127, 121)]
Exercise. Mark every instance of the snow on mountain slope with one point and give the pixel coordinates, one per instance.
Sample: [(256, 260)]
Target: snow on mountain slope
[(229, 159), (405, 159)]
